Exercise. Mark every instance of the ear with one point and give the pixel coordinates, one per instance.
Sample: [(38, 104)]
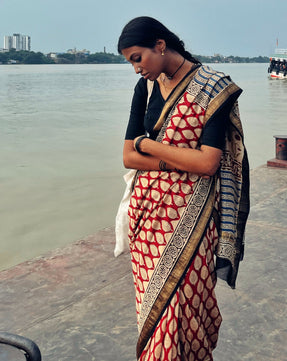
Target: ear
[(160, 45)]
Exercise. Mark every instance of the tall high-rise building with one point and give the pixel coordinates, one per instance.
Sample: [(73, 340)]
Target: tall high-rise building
[(8, 42), (26, 42), (18, 42)]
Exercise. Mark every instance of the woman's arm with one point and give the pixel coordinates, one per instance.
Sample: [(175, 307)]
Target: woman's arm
[(134, 160), (203, 161)]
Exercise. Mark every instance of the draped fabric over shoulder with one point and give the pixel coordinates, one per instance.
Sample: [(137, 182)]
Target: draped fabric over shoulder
[(179, 221)]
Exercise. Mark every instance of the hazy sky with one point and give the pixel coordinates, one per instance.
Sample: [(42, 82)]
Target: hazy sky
[(227, 27)]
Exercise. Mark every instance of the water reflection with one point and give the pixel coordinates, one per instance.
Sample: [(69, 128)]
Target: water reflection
[(277, 102)]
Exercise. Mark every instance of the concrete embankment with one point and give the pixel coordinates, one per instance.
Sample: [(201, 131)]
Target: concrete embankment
[(77, 303)]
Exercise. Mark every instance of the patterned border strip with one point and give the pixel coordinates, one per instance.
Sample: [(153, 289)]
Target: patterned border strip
[(175, 247)]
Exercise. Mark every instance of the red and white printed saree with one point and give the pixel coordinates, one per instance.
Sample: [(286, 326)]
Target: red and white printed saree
[(173, 234)]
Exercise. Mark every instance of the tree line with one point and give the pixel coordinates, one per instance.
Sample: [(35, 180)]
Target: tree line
[(231, 59), (31, 57), (23, 57)]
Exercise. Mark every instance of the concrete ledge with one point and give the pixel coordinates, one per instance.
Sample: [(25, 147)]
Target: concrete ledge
[(277, 163), (77, 303)]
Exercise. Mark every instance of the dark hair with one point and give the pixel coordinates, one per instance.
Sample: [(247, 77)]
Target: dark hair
[(145, 31)]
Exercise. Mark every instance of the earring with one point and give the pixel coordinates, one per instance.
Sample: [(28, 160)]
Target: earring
[(162, 52)]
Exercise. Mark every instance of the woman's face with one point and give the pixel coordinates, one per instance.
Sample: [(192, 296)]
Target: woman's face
[(147, 62)]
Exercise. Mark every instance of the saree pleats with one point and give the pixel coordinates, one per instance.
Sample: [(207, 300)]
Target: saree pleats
[(173, 235), (188, 328)]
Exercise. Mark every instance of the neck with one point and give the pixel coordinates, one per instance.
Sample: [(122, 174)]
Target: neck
[(168, 83), (170, 77)]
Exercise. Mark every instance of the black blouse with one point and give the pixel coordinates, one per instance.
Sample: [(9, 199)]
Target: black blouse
[(142, 121)]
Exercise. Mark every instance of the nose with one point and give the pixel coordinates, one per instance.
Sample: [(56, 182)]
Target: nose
[(138, 69)]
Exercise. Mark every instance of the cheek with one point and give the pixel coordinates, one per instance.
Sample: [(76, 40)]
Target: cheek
[(154, 63)]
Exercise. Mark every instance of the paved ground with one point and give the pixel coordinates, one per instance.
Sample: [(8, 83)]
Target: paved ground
[(77, 303)]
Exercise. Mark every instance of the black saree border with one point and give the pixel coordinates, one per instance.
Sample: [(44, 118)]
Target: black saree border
[(187, 253), (230, 250)]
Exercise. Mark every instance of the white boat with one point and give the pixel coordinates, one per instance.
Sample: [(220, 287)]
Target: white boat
[(278, 64)]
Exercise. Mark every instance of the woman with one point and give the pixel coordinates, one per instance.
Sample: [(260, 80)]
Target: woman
[(190, 196)]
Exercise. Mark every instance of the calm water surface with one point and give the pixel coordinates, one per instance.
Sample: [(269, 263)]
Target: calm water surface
[(62, 130)]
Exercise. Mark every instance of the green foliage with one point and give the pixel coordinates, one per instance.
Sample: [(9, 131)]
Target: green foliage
[(3, 58), (23, 57), (231, 59), (35, 58), (105, 58), (66, 58), (30, 57)]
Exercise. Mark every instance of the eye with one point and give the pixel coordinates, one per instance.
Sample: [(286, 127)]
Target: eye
[(136, 58)]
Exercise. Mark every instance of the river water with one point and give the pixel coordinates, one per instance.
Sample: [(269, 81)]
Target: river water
[(62, 130)]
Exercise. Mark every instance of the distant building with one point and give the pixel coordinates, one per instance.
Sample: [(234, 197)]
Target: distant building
[(8, 42), (18, 42), (75, 51), (52, 55)]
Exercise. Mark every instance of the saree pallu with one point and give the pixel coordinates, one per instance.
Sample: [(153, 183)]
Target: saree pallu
[(175, 222)]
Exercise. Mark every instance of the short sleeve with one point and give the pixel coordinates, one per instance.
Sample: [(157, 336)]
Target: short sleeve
[(138, 107), (213, 133)]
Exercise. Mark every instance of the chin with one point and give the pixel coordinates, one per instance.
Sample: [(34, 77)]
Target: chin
[(151, 77)]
